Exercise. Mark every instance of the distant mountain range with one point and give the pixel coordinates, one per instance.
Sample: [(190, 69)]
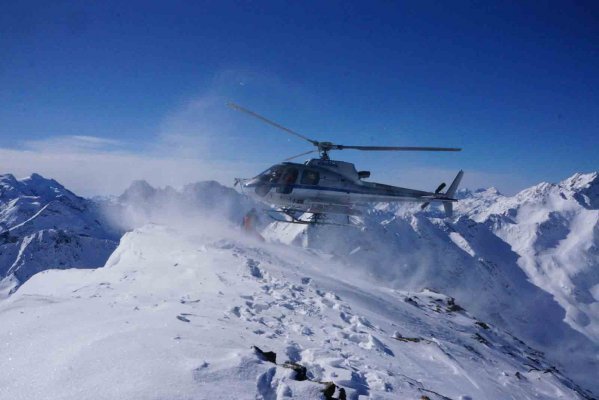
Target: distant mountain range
[(43, 225)]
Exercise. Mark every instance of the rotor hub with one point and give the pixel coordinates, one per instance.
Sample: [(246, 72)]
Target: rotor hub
[(324, 148)]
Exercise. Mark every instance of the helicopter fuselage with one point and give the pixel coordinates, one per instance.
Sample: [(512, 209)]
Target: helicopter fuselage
[(321, 186), (326, 186)]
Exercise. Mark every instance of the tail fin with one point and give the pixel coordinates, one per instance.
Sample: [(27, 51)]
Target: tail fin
[(448, 205), (454, 185)]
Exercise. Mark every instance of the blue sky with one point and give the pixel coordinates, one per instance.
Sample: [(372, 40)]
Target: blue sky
[(98, 93)]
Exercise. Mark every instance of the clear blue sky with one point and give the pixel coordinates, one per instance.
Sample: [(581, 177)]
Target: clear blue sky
[(516, 85)]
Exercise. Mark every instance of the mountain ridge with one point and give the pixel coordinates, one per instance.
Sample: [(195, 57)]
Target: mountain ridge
[(181, 312), (44, 225)]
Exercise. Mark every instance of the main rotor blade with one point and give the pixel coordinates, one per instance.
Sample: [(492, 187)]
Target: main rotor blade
[(272, 123), (301, 154), (395, 148)]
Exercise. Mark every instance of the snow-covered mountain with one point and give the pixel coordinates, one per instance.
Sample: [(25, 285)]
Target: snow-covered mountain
[(528, 263), (176, 314), (554, 229), (43, 225), (185, 296)]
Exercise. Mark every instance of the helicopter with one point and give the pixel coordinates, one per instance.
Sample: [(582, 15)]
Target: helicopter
[(321, 186)]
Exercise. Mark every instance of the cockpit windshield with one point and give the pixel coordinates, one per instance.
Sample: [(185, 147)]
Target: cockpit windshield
[(271, 175), (267, 179)]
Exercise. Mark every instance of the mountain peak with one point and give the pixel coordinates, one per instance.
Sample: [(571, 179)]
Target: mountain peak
[(139, 189), (40, 181), (8, 182), (581, 181), (34, 185), (491, 190), (7, 177), (141, 184), (36, 177), (585, 188), (203, 186)]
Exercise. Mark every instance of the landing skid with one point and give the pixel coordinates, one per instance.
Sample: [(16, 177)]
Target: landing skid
[(287, 216)]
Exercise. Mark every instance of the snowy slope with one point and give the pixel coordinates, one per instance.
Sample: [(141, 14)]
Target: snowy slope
[(554, 229), (505, 258), (43, 225), (175, 313)]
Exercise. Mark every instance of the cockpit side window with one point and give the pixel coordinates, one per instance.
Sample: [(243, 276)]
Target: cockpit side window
[(310, 177), (287, 180)]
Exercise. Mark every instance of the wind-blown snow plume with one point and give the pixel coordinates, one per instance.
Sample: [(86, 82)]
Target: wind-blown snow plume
[(206, 205)]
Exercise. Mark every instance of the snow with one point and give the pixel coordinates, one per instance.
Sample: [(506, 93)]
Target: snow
[(528, 263), (377, 310), (7, 286), (176, 311), (43, 225), (554, 228), (461, 243)]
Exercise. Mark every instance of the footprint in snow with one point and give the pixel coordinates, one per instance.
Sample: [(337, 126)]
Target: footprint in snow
[(345, 317), (257, 307), (293, 352), (235, 311), (255, 271), (182, 318)]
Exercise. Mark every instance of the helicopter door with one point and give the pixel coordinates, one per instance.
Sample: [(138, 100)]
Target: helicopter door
[(287, 181), (267, 180)]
